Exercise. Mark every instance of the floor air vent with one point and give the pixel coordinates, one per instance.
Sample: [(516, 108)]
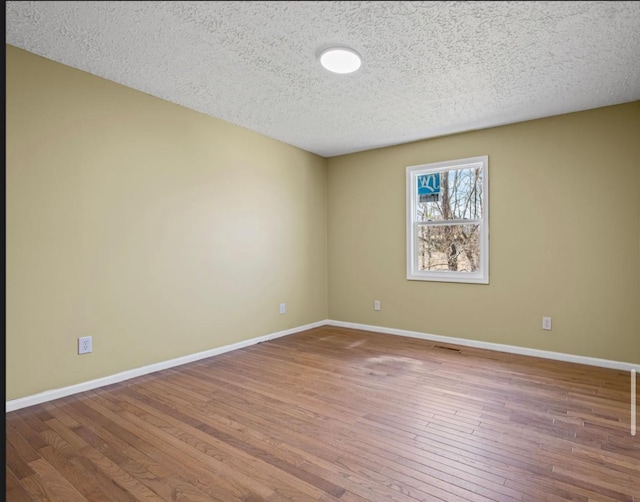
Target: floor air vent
[(446, 348)]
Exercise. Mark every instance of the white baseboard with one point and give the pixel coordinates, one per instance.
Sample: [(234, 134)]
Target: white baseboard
[(50, 395), (558, 356)]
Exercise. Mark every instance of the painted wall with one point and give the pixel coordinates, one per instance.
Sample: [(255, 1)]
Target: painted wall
[(564, 237), (157, 230), (162, 232)]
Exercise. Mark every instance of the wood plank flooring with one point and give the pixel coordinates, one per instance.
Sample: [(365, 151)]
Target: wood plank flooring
[(336, 414)]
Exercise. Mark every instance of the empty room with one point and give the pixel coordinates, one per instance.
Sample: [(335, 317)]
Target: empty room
[(322, 251)]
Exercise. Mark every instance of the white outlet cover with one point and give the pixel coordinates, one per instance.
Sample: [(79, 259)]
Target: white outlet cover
[(85, 345)]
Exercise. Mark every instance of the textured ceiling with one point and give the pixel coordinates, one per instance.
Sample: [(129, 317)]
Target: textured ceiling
[(429, 69)]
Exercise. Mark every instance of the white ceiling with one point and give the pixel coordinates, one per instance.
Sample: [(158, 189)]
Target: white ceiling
[(429, 69)]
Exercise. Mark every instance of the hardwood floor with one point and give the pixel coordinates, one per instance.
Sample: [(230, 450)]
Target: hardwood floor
[(336, 414)]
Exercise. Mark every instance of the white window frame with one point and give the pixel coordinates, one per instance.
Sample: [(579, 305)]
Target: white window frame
[(481, 276)]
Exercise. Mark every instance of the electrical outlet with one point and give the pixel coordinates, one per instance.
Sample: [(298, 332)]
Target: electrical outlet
[(546, 323), (283, 308), (85, 345), (376, 305)]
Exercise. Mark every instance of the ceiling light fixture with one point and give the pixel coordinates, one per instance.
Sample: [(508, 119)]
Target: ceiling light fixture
[(340, 60)]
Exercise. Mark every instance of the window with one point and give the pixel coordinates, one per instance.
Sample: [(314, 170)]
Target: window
[(448, 221)]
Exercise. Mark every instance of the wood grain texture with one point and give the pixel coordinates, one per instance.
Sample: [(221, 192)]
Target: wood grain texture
[(336, 414)]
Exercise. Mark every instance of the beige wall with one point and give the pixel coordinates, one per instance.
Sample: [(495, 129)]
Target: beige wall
[(564, 237), (159, 231), (163, 232)]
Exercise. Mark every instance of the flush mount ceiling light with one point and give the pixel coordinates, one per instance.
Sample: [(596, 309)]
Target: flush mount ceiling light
[(340, 60)]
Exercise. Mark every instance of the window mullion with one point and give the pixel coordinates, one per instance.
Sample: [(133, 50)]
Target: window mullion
[(451, 222)]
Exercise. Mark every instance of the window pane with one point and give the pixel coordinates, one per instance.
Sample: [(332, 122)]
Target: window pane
[(448, 248), (449, 195)]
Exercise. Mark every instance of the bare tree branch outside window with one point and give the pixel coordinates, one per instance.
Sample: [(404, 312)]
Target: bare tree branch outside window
[(453, 246)]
